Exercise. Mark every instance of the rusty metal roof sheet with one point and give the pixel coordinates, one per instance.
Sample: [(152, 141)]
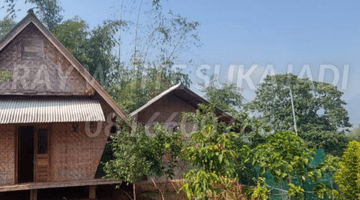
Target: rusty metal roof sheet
[(49, 109)]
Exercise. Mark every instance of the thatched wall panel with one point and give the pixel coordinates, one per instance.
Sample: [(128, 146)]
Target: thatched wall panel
[(7, 154), (45, 72), (75, 155)]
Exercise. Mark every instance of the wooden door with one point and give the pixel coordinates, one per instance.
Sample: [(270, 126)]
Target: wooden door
[(26, 154), (42, 156)]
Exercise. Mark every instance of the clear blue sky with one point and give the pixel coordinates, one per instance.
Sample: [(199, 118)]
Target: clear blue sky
[(262, 32)]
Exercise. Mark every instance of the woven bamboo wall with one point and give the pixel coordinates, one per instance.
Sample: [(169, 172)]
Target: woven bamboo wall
[(73, 155), (76, 155), (38, 67), (7, 154)]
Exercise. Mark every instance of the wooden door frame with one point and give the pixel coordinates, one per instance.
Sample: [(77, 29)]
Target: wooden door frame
[(16, 145), (36, 128), (17, 137), (48, 127)]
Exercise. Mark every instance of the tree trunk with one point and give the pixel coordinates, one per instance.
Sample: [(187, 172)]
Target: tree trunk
[(121, 21), (291, 198), (136, 33), (134, 190), (281, 186), (161, 192)]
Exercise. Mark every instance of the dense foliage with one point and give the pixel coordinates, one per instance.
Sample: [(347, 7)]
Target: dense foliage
[(332, 142), (139, 152), (288, 159), (142, 84), (49, 11), (348, 177), (318, 105), (225, 96), (320, 116), (217, 151), (212, 152), (6, 25), (355, 134)]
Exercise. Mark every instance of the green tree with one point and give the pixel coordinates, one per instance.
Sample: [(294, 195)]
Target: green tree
[(10, 8), (6, 25), (318, 105), (319, 110), (212, 151), (286, 157), (252, 134), (99, 47), (355, 134), (139, 86), (48, 11), (162, 37), (225, 96), (332, 142), (73, 34), (158, 43), (348, 177), (138, 154), (93, 48)]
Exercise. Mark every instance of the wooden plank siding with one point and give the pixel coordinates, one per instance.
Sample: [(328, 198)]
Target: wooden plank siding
[(166, 106), (42, 167), (34, 186)]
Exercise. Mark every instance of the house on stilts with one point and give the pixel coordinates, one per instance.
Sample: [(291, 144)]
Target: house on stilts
[(55, 118)]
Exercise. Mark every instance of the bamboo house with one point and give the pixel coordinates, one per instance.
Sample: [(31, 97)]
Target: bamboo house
[(55, 118)]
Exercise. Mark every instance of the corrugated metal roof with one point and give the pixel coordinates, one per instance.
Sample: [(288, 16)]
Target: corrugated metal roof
[(48, 109)]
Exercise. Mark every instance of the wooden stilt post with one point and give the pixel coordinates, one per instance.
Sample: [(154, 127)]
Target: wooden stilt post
[(33, 194), (92, 192)]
